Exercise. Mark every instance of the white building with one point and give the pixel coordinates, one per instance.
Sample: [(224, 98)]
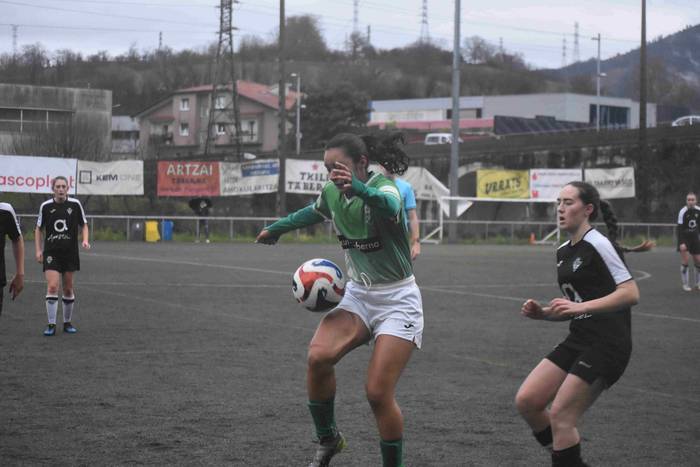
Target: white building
[(615, 112)]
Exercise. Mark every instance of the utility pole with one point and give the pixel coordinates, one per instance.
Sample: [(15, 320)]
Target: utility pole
[(224, 72), (577, 50), (282, 138), (643, 81), (424, 30), (15, 27), (598, 75), (563, 53), (454, 150), (160, 41), (298, 105), (642, 174)]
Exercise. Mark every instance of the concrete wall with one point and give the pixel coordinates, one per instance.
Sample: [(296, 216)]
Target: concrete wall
[(568, 107), (91, 107)]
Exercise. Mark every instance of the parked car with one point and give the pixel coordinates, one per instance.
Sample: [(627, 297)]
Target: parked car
[(439, 138), (687, 120)]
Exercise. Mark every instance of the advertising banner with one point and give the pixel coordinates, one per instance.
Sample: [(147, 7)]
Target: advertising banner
[(425, 184), (188, 178), (612, 183), (547, 183), (248, 178), (505, 184), (305, 176), (110, 178), (29, 174)]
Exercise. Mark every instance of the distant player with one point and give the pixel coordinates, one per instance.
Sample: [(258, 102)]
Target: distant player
[(598, 295), (408, 200), (201, 207), (9, 226), (689, 239), (381, 299), (61, 218)]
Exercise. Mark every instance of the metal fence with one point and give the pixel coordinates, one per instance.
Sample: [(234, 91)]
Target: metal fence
[(233, 228)]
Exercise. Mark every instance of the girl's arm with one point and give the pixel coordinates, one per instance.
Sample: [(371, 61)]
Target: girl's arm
[(302, 218), (625, 295)]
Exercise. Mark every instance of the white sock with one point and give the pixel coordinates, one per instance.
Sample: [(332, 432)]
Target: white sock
[(52, 308), (68, 303), (697, 275)]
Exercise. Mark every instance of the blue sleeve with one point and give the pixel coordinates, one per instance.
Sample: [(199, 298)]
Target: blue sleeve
[(410, 199)]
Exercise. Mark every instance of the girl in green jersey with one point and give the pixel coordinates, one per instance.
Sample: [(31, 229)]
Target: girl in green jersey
[(381, 302)]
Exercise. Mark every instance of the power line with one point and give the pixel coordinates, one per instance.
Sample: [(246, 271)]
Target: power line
[(110, 15), (94, 28)]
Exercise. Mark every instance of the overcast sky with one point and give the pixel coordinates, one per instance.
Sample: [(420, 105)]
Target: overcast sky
[(534, 28)]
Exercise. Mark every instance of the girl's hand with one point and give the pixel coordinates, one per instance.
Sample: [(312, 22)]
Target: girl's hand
[(532, 309), (266, 238), (563, 308), (341, 175)]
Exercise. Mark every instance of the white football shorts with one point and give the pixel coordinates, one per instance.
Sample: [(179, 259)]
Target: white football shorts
[(395, 309)]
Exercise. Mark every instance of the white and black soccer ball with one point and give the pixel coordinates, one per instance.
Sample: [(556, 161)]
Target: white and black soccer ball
[(318, 284)]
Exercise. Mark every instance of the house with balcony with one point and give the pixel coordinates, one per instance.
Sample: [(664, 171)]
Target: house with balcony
[(177, 125)]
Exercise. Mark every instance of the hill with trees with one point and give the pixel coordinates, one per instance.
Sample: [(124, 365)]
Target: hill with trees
[(358, 73)]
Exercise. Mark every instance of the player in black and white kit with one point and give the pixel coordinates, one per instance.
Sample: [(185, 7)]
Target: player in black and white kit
[(61, 218), (598, 294), (9, 226), (689, 239)]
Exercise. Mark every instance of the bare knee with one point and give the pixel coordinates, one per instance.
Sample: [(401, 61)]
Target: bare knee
[(378, 394), (561, 418), (52, 289), (320, 357), (528, 402)]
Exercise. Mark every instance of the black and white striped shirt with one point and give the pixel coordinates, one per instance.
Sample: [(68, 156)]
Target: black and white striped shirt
[(591, 269), (9, 225)]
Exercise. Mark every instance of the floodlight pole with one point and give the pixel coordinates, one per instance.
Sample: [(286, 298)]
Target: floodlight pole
[(454, 150), (597, 87), (282, 113), (298, 102)]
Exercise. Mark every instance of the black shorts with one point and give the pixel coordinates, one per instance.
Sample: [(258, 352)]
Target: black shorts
[(61, 262), (596, 361), (692, 241)]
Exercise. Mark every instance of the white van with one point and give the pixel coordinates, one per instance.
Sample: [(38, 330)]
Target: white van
[(438, 138), (684, 121)]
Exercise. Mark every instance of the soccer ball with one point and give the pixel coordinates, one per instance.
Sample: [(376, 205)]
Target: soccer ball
[(318, 285)]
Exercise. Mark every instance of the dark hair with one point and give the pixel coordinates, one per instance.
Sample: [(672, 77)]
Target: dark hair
[(589, 195), (382, 149), (58, 177)]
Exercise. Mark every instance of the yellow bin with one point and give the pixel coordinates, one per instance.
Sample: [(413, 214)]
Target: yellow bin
[(152, 234)]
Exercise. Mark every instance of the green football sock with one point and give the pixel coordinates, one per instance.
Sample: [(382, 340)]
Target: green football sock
[(323, 414), (392, 453)]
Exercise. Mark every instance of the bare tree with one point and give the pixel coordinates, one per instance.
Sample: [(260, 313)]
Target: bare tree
[(79, 138)]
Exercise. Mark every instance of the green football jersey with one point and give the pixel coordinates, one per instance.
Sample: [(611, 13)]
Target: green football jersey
[(377, 249)]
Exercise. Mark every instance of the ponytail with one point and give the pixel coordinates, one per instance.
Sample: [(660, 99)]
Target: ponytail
[(610, 220), (386, 152), (589, 195)]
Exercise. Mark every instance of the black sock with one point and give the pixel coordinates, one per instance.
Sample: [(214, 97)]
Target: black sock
[(569, 457), (544, 437)]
